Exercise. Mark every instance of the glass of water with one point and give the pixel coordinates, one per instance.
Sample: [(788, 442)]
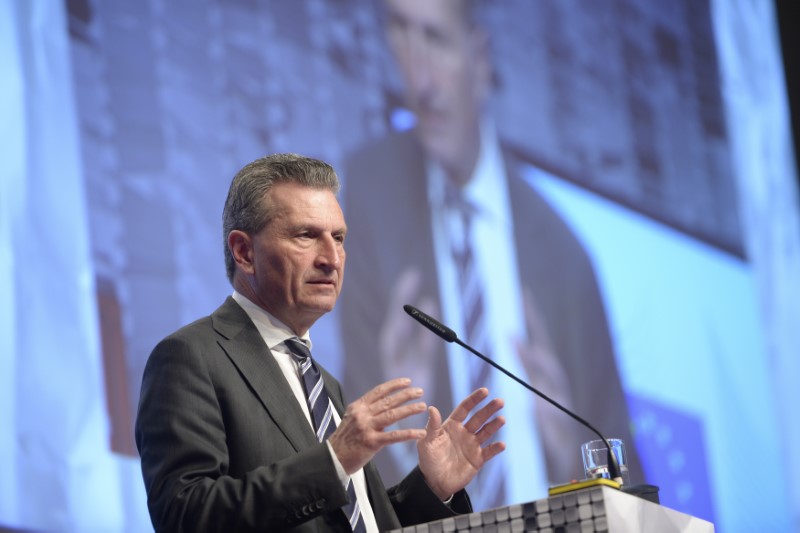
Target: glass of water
[(595, 459)]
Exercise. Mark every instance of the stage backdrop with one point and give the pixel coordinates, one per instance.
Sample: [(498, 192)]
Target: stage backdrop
[(658, 132)]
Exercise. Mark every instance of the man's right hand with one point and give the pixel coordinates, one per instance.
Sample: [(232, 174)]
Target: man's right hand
[(360, 434)]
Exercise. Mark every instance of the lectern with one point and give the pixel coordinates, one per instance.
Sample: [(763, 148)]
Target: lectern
[(598, 508)]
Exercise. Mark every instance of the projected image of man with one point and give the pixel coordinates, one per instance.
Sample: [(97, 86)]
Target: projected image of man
[(472, 242)]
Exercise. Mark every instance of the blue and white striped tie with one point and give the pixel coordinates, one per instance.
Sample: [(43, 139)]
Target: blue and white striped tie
[(321, 408), (491, 478)]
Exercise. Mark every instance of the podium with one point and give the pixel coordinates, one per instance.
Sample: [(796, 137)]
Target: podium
[(594, 509)]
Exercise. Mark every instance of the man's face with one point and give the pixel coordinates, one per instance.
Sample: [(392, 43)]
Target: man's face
[(298, 257), (444, 63)]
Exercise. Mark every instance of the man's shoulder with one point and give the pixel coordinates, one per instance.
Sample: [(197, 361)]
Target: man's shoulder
[(394, 144), (383, 174), (191, 330), (536, 219), (395, 154), (224, 322)]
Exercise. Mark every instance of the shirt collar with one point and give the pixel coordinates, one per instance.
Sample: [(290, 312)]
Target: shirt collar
[(273, 331), (486, 191)]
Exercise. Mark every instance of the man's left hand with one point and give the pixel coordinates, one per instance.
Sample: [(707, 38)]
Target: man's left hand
[(452, 453), (546, 373)]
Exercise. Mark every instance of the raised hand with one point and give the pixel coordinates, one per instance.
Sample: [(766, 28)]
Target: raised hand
[(403, 350), (452, 453), (545, 372), (360, 434)]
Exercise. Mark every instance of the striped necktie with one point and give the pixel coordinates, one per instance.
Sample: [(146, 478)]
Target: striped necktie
[(321, 409), (471, 291), (491, 478)]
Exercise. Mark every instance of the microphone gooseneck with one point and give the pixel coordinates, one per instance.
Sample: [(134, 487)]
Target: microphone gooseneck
[(450, 336)]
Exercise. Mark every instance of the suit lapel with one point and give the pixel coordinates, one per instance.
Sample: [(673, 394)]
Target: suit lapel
[(242, 343), (240, 340)]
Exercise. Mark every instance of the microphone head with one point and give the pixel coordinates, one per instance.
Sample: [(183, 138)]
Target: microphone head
[(431, 323)]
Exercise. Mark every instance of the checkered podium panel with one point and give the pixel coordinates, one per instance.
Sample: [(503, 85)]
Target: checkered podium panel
[(595, 509)]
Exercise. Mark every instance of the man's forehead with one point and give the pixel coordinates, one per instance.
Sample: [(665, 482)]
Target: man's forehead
[(298, 201), (429, 12)]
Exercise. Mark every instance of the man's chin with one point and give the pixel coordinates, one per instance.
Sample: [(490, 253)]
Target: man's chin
[(434, 144), (321, 304)]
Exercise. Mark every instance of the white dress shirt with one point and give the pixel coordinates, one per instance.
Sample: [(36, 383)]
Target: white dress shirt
[(275, 333), (492, 242)]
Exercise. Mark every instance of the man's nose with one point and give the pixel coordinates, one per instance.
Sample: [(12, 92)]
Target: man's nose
[(414, 58), (419, 68), (330, 252)]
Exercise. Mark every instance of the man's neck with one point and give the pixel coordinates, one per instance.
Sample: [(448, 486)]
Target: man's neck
[(460, 173), (244, 289)]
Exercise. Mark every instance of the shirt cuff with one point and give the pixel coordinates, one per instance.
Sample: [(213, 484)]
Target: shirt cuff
[(344, 479)]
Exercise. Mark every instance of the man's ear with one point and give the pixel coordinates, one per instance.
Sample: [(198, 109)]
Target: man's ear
[(241, 247)]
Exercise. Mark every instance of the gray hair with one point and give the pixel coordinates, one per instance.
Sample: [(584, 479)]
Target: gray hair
[(247, 209)]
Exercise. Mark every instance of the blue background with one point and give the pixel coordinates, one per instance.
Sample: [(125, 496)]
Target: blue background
[(666, 124)]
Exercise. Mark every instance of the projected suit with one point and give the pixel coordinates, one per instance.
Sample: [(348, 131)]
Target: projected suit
[(552, 265), (400, 248)]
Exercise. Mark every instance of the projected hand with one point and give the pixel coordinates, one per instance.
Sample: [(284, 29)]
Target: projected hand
[(404, 350), (546, 373)]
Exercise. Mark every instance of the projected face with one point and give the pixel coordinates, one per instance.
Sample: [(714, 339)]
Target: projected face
[(295, 264), (443, 59)]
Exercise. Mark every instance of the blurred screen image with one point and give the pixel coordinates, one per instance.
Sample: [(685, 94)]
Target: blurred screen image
[(601, 197)]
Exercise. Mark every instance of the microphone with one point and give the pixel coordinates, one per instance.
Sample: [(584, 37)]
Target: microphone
[(450, 336)]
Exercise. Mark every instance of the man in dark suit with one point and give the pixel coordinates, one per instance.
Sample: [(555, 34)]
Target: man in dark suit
[(543, 306), (227, 416)]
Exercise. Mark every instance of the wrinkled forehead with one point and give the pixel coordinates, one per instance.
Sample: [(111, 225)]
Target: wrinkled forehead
[(294, 200), (430, 13)]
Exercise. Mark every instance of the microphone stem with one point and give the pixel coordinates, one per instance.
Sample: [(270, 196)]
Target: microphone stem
[(613, 466)]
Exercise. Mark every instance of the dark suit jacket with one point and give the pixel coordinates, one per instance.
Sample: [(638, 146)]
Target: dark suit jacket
[(389, 231), (226, 447)]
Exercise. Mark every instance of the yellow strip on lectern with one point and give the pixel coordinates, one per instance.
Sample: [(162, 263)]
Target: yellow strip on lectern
[(584, 483)]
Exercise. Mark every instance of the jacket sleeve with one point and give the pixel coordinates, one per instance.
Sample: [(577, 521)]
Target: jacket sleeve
[(415, 502)]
